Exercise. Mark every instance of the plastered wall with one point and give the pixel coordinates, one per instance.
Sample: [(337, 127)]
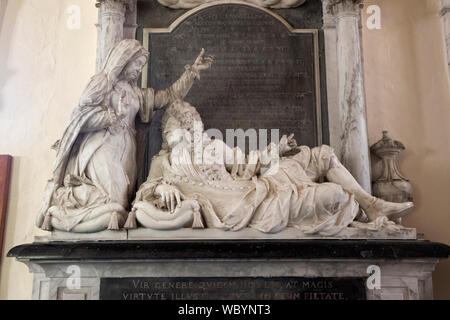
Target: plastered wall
[(408, 94), (44, 67)]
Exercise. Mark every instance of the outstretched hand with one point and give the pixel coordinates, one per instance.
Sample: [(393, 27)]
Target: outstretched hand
[(203, 62), (287, 144)]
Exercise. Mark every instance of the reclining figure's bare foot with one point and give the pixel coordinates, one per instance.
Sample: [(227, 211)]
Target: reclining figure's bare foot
[(391, 210)]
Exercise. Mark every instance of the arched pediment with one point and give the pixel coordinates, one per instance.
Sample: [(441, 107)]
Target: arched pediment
[(190, 4)]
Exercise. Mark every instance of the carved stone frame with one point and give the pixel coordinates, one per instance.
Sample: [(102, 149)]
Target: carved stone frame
[(314, 32)]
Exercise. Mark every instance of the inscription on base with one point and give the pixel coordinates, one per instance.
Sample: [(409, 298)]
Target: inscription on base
[(292, 288)]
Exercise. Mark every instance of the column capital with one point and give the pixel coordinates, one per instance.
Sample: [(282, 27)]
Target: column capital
[(116, 5), (445, 7), (336, 7)]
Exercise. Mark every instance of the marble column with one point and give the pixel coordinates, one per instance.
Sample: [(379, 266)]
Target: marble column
[(116, 21), (329, 30), (354, 148), (130, 26), (445, 17)]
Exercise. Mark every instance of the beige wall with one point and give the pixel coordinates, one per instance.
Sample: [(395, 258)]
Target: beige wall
[(45, 67), (408, 93)]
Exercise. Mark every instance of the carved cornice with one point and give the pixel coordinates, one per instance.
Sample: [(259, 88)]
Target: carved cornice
[(114, 5), (343, 6), (445, 7), (189, 4)]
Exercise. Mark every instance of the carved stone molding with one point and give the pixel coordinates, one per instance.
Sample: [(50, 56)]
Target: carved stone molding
[(445, 7), (445, 17), (329, 20), (189, 4), (336, 7), (116, 5), (117, 21)]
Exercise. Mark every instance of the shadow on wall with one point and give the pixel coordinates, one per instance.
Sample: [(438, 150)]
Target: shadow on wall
[(7, 22)]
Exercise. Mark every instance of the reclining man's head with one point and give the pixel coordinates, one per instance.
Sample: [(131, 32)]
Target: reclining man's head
[(180, 123)]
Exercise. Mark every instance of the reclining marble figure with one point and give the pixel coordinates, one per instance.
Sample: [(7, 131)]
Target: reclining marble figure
[(94, 174), (232, 191)]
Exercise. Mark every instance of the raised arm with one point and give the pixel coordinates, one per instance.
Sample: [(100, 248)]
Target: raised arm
[(157, 100), (152, 100), (178, 90)]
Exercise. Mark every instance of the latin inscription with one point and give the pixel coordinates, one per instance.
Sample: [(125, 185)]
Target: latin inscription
[(263, 76), (232, 288)]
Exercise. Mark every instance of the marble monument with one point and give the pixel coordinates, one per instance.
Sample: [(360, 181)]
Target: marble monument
[(95, 170), (231, 192), (242, 218)]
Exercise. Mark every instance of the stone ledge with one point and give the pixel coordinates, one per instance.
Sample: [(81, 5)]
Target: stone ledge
[(216, 234), (252, 234), (131, 250), (68, 236)]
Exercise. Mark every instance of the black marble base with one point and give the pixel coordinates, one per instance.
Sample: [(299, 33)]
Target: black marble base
[(230, 249)]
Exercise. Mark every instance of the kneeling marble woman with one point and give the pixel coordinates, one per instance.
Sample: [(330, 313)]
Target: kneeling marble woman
[(232, 192), (95, 169)]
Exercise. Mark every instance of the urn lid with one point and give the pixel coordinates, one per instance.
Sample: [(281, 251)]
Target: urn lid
[(387, 145)]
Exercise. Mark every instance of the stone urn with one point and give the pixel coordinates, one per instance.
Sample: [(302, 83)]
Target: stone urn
[(391, 185)]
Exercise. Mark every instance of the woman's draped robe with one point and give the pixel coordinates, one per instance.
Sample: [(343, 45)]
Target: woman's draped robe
[(88, 179)]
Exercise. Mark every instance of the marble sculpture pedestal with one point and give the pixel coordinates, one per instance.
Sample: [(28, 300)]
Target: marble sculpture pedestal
[(406, 265)]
